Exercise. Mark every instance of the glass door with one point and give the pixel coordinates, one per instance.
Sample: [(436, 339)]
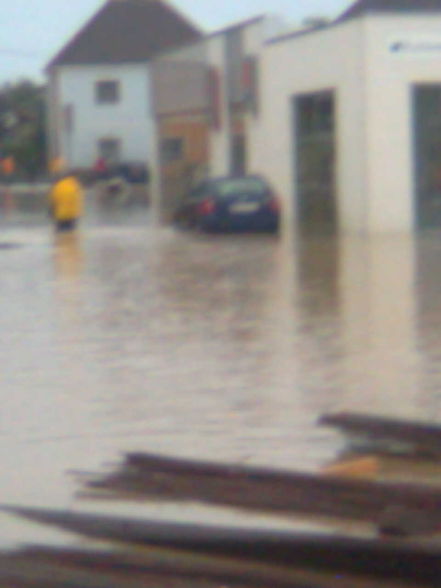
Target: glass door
[(315, 159), (427, 154)]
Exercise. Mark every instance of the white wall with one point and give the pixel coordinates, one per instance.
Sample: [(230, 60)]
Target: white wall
[(253, 38), (390, 157), (129, 120), (219, 139), (326, 59), (372, 84)]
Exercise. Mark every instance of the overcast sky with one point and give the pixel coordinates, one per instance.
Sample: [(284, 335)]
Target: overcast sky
[(32, 32)]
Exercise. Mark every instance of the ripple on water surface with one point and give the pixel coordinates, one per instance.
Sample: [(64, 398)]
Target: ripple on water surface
[(125, 337)]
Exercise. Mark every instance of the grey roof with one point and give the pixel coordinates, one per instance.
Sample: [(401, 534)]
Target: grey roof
[(127, 31), (362, 7)]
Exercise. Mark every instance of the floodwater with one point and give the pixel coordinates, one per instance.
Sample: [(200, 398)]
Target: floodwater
[(125, 336)]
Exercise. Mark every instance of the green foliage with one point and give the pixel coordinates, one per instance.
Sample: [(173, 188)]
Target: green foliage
[(22, 126)]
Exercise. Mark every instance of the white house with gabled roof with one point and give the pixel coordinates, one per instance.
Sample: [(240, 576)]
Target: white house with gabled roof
[(99, 89)]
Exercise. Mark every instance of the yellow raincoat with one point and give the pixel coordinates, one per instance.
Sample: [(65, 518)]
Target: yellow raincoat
[(66, 199)]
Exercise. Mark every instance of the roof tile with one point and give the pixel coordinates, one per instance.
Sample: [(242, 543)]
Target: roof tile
[(127, 31)]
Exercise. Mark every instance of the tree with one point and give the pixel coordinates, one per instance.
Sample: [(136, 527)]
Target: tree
[(22, 126)]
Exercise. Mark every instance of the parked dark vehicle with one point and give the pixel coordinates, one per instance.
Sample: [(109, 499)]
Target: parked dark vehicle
[(245, 203), (132, 172)]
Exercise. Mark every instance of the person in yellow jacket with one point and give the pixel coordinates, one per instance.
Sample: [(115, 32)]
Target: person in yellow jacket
[(66, 202)]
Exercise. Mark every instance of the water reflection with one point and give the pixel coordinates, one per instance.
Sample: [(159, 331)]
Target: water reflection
[(125, 337), (68, 255), (356, 326), (378, 321), (428, 340)]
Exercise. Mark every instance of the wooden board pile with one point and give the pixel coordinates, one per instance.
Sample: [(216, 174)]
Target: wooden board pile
[(393, 542)]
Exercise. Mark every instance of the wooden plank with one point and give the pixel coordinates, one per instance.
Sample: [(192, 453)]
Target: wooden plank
[(273, 552), (384, 467), (145, 476), (90, 569), (381, 434), (68, 568)]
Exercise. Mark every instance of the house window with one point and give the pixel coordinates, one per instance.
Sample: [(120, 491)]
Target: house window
[(317, 114), (107, 92), (172, 149), (110, 150)]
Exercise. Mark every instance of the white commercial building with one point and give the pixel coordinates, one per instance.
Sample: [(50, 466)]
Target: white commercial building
[(348, 127)]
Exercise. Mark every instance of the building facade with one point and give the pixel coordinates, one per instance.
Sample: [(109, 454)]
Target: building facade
[(344, 118), (180, 100), (350, 124), (99, 83), (104, 111), (204, 96)]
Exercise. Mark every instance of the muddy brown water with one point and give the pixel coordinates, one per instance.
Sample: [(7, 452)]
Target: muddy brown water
[(128, 337)]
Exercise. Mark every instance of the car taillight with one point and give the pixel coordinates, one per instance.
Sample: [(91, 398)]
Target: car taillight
[(206, 207), (274, 204)]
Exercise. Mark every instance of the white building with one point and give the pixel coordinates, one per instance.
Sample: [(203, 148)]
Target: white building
[(204, 96), (349, 130), (344, 119), (99, 83), (234, 53)]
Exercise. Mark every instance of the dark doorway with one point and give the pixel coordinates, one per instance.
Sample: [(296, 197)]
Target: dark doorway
[(427, 154), (315, 160)]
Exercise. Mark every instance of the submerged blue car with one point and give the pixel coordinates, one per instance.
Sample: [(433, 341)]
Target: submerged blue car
[(245, 203)]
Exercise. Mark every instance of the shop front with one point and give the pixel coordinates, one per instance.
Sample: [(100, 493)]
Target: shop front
[(350, 130)]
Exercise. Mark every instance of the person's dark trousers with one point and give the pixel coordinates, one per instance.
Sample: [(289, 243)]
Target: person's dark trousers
[(66, 225)]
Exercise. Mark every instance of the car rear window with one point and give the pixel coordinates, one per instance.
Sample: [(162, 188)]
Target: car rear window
[(252, 186)]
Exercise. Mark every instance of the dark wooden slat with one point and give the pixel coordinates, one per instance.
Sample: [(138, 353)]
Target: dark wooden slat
[(286, 551), (96, 569), (63, 568), (268, 490), (387, 434)]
